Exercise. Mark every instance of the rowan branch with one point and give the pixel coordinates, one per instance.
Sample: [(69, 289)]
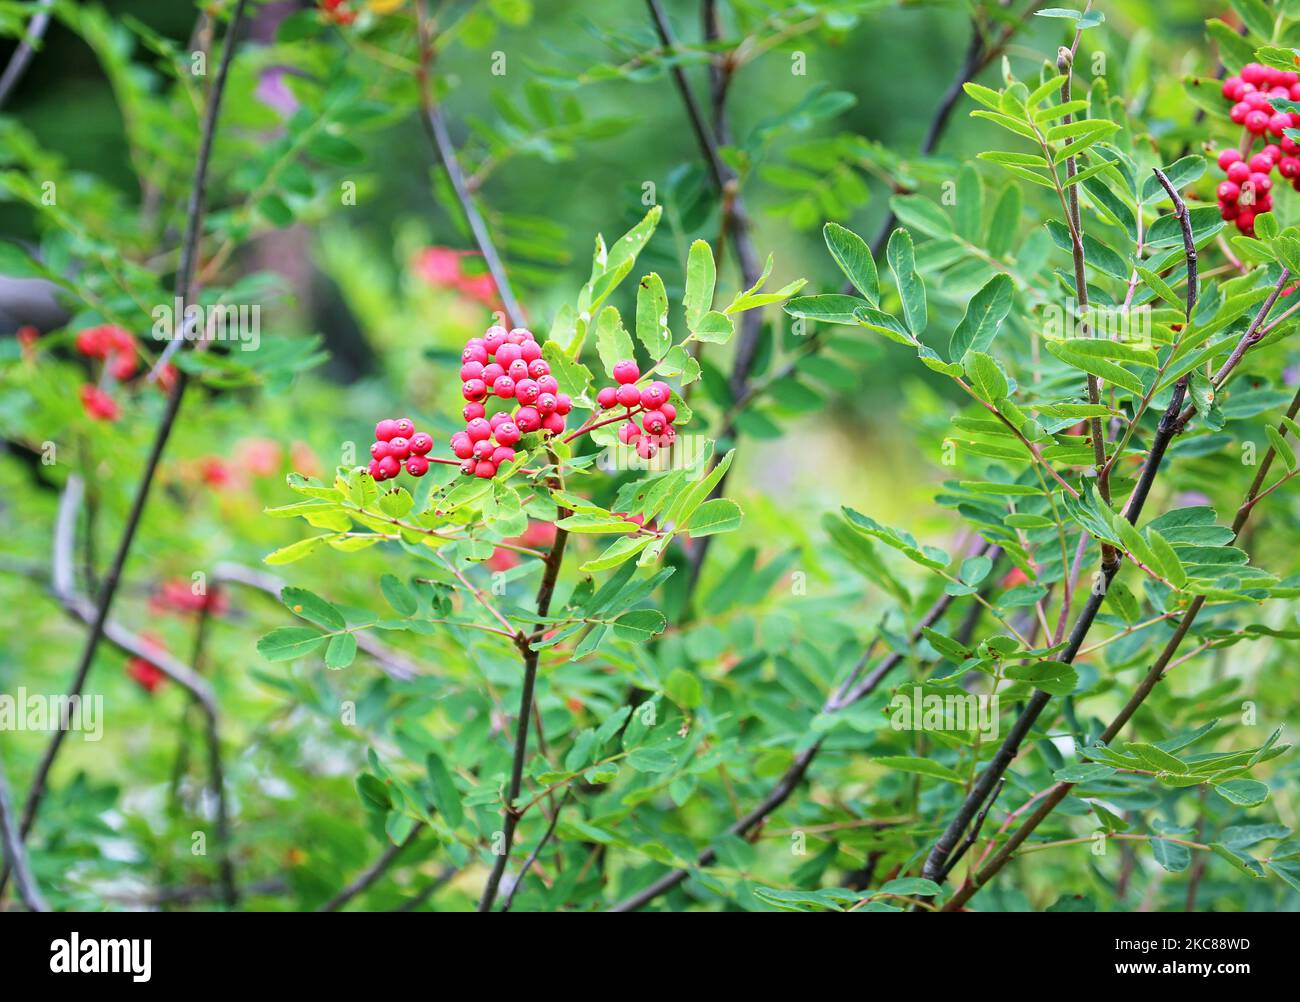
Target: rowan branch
[(371, 873), (22, 56)]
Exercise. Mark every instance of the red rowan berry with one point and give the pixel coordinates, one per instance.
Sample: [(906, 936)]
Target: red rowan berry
[(471, 411), (548, 384), (389, 467), (1229, 191), (492, 372), (654, 422), (1254, 73), (626, 372), (379, 450), (508, 433), (502, 454), (528, 419), (508, 353), (474, 390), (518, 370), (477, 353), (1232, 88), (538, 368), (494, 338), (563, 404), (1228, 157), (523, 334), (504, 387), (373, 469), (485, 469), (1289, 147), (483, 449), (1239, 172), (1261, 163), (399, 448), (607, 397), (1273, 152), (530, 351), (652, 396), (498, 419), (468, 466), (421, 444), (1239, 111), (553, 423), (405, 427), (546, 402), (1279, 122), (417, 466), (1229, 210), (1261, 183), (645, 448), (1257, 122), (628, 433), (669, 412), (462, 445), (471, 370), (628, 395), (478, 429), (386, 429), (1256, 101)]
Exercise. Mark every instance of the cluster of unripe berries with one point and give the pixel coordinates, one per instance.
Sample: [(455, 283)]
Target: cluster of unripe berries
[(652, 403), (397, 445), (505, 365), (1247, 192)]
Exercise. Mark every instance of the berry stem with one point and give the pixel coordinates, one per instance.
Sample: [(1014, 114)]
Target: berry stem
[(593, 425)]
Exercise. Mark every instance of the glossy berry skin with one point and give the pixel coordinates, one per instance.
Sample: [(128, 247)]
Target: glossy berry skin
[(669, 412), (628, 433), (474, 390), (483, 449), (462, 446), (607, 397), (508, 433), (523, 334), (1232, 88), (485, 469), (379, 450), (373, 469), (563, 404), (504, 387), (1239, 172), (508, 353), (548, 384), (626, 372), (421, 444), (530, 351), (1239, 112), (502, 454), (1279, 122), (1254, 73), (527, 391), (654, 422), (1229, 210), (517, 370), (1257, 122), (546, 402), (492, 372), (1228, 191), (471, 411), (471, 370), (553, 423), (1261, 183), (498, 419), (652, 396), (539, 367), (389, 467), (478, 429), (417, 466), (1228, 157), (476, 353), (1261, 163), (405, 427), (645, 448), (629, 395), (1273, 152), (468, 466), (527, 419), (399, 448), (494, 339), (386, 429)]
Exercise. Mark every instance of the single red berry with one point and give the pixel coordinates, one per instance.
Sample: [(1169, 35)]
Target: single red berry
[(502, 454), (652, 397), (492, 372), (523, 333), (645, 448), (527, 391), (517, 370), (626, 372), (389, 467), (1256, 101), (628, 433), (478, 429), (538, 368), (1232, 88), (1279, 122), (471, 370), (1239, 111), (1246, 220), (629, 395), (1228, 157), (467, 467), (1293, 92), (1260, 164), (563, 404), (508, 353), (669, 412), (1261, 183), (417, 466), (1239, 173), (421, 444), (494, 339), (1289, 147), (548, 384), (476, 353), (516, 337), (553, 423), (1229, 210), (508, 433), (1257, 122), (471, 411), (386, 429), (1288, 167), (498, 419), (1264, 204), (485, 469), (405, 427), (373, 469), (527, 419), (1273, 152), (546, 402), (399, 448), (607, 397), (1229, 191), (483, 449), (1254, 73), (504, 387), (654, 422), (669, 436), (379, 450), (530, 351), (462, 445), (474, 390)]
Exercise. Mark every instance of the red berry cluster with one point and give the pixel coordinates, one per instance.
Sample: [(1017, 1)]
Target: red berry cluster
[(505, 365), (145, 673), (1247, 192), (652, 403), (397, 445), (339, 11), (113, 344)]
